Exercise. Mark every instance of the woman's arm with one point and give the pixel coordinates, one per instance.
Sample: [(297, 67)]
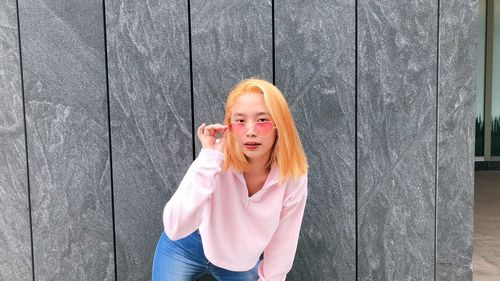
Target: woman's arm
[(183, 213), (280, 252)]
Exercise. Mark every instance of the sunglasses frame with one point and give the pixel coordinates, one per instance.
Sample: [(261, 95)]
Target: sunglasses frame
[(246, 128)]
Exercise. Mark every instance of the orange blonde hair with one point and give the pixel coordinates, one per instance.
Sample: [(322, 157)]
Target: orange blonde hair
[(287, 152)]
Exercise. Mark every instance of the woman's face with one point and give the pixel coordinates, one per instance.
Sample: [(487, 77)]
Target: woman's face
[(252, 126)]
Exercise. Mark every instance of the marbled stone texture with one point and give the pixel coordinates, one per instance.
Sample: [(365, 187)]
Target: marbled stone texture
[(150, 104), (68, 142), (397, 64), (454, 272), (315, 52), (15, 239), (415, 112), (231, 41), (456, 129)]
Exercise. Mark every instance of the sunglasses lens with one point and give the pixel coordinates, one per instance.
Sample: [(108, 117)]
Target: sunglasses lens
[(237, 129), (264, 128)]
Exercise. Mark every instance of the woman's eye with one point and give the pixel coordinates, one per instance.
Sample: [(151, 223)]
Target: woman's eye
[(239, 121), (262, 120)]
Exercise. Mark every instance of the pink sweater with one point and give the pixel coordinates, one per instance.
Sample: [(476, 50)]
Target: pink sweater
[(235, 229)]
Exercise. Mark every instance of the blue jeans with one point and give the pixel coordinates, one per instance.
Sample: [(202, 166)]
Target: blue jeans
[(184, 260)]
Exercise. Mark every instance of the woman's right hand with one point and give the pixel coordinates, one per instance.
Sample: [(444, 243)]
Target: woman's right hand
[(208, 136)]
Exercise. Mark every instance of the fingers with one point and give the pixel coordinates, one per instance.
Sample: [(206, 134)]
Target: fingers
[(213, 129), (208, 135), (223, 137), (224, 134), (199, 132)]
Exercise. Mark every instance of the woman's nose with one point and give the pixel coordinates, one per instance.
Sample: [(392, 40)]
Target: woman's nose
[(250, 129)]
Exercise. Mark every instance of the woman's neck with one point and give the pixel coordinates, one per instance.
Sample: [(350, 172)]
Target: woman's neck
[(257, 170), (257, 167)]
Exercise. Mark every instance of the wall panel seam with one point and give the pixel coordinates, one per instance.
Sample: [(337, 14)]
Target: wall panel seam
[(193, 131), (437, 144), (25, 141), (109, 138), (273, 43), (356, 136)]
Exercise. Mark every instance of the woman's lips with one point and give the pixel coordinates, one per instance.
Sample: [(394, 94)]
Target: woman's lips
[(251, 146)]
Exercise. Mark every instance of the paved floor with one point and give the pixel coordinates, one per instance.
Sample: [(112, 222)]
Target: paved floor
[(486, 259)]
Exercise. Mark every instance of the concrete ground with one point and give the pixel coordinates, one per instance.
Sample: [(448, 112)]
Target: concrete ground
[(486, 258)]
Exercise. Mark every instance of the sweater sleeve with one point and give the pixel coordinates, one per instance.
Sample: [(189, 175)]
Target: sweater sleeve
[(183, 212), (280, 252)]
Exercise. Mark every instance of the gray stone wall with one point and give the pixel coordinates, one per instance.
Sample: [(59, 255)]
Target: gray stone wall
[(397, 74), (15, 227), (64, 78), (99, 102), (315, 69), (455, 168)]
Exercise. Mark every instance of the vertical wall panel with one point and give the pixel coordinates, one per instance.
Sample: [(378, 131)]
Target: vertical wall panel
[(315, 68), (397, 66), (150, 104), (15, 239), (457, 87), (67, 132), (231, 40)]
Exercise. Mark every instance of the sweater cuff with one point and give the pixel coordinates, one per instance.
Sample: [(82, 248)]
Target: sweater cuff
[(209, 154)]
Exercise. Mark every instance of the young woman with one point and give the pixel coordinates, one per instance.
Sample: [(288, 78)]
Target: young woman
[(244, 195)]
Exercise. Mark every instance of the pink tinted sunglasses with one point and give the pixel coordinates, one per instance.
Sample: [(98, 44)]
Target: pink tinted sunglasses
[(261, 128)]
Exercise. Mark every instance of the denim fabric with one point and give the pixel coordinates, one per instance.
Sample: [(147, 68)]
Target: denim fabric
[(184, 260)]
